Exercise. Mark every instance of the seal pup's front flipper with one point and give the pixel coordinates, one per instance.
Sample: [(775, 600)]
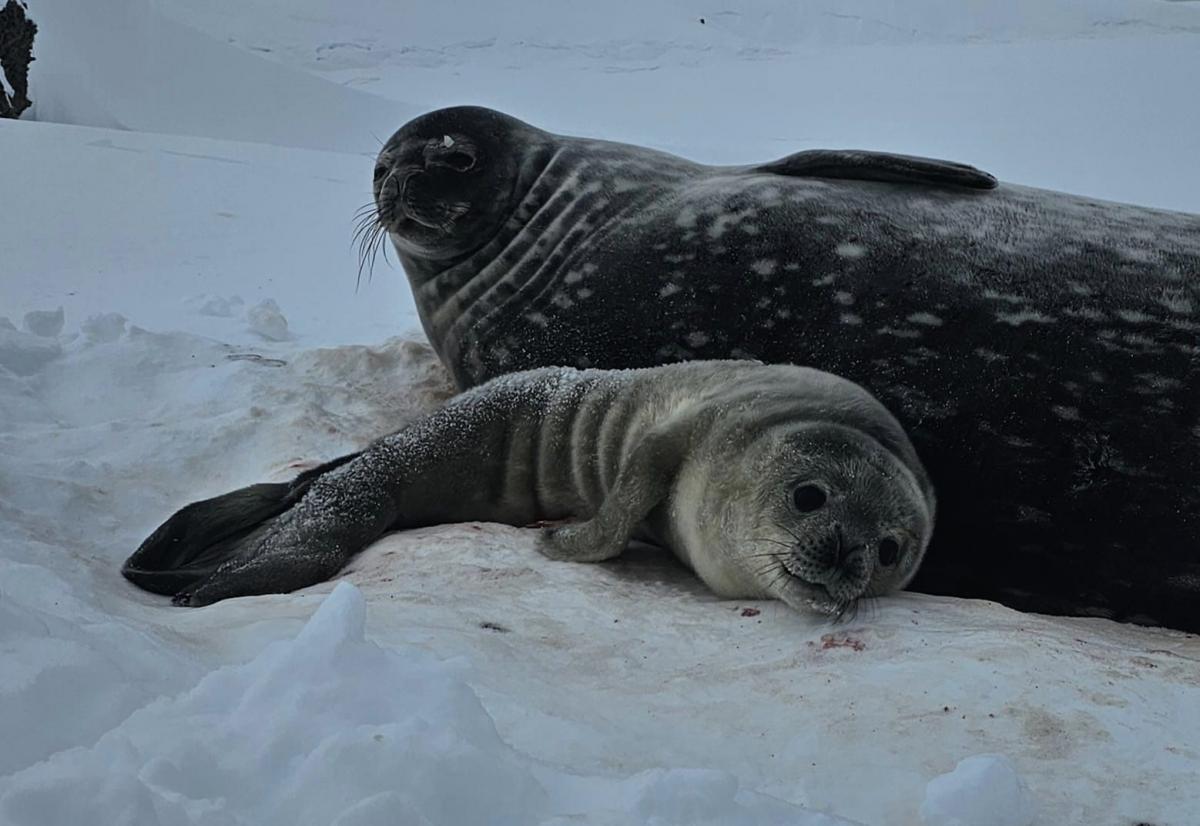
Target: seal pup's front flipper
[(860, 165), (201, 537), (643, 483)]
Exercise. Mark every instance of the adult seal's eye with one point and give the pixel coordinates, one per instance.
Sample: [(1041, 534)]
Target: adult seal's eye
[(889, 552), (458, 161), (808, 498)]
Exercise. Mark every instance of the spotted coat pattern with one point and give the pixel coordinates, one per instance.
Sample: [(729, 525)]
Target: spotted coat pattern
[(1041, 349)]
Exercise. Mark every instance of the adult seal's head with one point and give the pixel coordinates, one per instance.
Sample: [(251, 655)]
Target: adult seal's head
[(447, 181)]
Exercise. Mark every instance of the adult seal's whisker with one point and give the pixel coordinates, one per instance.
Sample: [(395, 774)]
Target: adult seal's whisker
[(369, 237)]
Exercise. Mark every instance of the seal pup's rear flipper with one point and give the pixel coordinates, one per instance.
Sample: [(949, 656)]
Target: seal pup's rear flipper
[(203, 536), (859, 165)]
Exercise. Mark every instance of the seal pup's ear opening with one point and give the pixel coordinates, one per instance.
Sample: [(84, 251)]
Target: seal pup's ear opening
[(202, 536)]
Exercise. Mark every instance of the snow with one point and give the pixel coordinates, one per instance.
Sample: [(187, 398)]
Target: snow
[(44, 322), (124, 65), (23, 352), (983, 790), (347, 732), (186, 196)]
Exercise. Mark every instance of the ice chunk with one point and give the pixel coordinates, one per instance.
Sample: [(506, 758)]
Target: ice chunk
[(216, 305), (266, 320), (984, 790), (103, 327), (25, 353), (45, 323)]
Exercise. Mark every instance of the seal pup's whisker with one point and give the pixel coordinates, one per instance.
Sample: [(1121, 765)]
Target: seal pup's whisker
[(870, 604), (775, 567), (789, 531), (771, 541)]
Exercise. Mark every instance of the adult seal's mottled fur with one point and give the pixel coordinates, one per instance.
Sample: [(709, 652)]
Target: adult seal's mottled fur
[(1042, 350), (768, 481)]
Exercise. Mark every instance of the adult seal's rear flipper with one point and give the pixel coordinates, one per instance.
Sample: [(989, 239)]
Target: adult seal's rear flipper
[(204, 536), (852, 164)]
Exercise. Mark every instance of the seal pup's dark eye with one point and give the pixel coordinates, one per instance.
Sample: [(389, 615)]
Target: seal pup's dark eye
[(889, 552), (808, 498)]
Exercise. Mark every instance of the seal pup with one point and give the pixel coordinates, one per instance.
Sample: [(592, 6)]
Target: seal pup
[(1042, 350), (768, 481)]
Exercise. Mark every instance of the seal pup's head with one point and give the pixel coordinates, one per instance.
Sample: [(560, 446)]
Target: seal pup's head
[(446, 181), (854, 519), (819, 508)]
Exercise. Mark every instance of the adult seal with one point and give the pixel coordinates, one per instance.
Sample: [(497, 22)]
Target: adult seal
[(768, 481), (1041, 349)]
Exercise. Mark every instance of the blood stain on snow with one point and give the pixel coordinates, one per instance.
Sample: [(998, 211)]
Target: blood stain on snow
[(750, 612), (829, 641)]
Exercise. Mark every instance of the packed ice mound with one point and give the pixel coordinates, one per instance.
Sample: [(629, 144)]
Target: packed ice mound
[(113, 428), (69, 667), (330, 728)]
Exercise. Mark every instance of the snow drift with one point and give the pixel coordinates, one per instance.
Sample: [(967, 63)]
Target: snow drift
[(194, 225)]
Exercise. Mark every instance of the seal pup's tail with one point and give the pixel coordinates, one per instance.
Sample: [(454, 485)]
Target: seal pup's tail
[(202, 536)]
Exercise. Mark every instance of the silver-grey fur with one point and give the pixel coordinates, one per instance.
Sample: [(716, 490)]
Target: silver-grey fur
[(703, 458)]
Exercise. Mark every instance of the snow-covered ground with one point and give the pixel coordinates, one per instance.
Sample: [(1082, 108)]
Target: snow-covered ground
[(190, 208)]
